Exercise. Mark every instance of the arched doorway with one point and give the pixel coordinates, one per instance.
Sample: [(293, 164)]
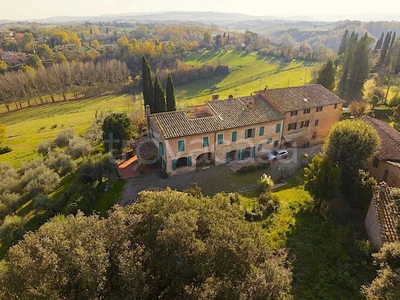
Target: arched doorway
[(203, 160)]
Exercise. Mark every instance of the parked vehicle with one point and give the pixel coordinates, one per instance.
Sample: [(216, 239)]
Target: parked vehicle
[(277, 154)]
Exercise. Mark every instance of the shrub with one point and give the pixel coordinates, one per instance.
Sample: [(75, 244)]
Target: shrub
[(394, 101), (78, 147), (5, 149), (266, 183), (12, 227), (41, 202), (60, 162), (45, 147), (63, 137)]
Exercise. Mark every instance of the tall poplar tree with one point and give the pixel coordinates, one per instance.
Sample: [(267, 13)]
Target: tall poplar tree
[(326, 76), (170, 90), (159, 97), (147, 85)]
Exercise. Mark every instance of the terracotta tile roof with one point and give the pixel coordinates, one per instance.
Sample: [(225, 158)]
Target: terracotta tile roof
[(301, 97), (388, 215), (229, 113), (390, 139)]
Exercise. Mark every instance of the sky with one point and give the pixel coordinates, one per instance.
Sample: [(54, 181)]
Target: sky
[(38, 9)]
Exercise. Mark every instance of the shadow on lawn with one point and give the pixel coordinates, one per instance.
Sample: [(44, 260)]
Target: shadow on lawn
[(330, 257)]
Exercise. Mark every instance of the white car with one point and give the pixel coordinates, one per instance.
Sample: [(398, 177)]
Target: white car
[(277, 154)]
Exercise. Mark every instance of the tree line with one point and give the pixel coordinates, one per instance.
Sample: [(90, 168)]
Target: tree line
[(69, 80)]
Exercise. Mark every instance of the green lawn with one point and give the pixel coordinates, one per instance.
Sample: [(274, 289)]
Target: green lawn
[(329, 255)]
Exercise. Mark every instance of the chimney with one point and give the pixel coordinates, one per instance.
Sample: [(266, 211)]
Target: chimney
[(148, 120)]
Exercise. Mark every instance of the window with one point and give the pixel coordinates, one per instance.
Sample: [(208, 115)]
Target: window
[(276, 143), (293, 113), (205, 141), (335, 106), (316, 123), (220, 138), (376, 162), (249, 133), (259, 147), (385, 176), (304, 124), (292, 126), (314, 135), (319, 108), (161, 148), (234, 136), (181, 146), (278, 128), (306, 111), (261, 131), (269, 141)]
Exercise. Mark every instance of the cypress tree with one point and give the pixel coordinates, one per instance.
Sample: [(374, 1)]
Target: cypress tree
[(393, 39), (171, 104), (159, 97), (147, 85), (343, 86), (385, 47), (344, 42), (359, 68), (378, 44), (326, 76)]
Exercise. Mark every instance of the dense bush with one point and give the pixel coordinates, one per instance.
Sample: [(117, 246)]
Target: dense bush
[(5, 149), (63, 137)]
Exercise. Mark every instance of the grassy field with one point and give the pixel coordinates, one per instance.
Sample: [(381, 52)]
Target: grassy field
[(249, 72), (28, 127), (329, 255)]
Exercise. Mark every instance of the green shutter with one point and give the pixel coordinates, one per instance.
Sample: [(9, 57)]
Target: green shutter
[(239, 154), (234, 136), (205, 141), (220, 138), (227, 157), (278, 128), (253, 132), (161, 149), (189, 161), (261, 132), (253, 152), (181, 146), (174, 164)]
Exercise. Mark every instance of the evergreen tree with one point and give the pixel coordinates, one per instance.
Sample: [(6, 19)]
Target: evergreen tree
[(326, 76), (171, 103), (147, 84), (343, 86), (344, 42), (385, 47), (393, 39), (159, 97), (359, 68), (378, 44)]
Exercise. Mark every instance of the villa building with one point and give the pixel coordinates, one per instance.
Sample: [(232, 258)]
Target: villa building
[(235, 129)]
